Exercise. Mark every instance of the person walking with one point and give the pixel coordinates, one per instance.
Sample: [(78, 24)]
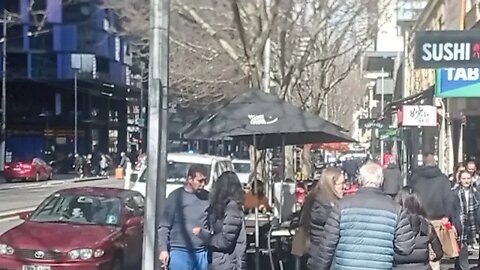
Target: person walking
[(434, 190), (468, 209), (427, 245), (393, 179), (472, 169), (364, 230), (185, 209), (227, 238), (319, 204)]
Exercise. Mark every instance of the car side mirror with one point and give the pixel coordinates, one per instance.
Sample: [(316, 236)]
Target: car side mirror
[(134, 222), (25, 215)]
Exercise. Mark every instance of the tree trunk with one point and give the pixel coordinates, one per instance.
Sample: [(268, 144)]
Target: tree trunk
[(257, 158), (289, 162), (307, 160)]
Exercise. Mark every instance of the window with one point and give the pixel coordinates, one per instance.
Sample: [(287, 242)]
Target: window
[(85, 36), (44, 65), (79, 209), (15, 36), (103, 65), (12, 6), (77, 12), (17, 65), (41, 40), (135, 205), (39, 5)]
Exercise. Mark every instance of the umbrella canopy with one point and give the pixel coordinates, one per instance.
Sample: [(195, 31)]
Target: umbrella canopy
[(267, 119)]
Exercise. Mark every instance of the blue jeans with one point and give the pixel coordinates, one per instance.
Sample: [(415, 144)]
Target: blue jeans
[(182, 259)]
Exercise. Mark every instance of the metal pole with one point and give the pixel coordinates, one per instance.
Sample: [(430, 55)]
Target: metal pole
[(267, 52), (75, 82), (157, 129), (255, 190), (142, 119), (382, 105), (4, 94)]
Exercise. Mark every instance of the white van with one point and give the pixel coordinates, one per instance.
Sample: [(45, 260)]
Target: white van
[(177, 168), (242, 168)]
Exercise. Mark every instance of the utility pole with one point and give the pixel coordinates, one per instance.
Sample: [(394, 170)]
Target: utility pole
[(157, 129), (4, 94), (382, 107), (75, 86)]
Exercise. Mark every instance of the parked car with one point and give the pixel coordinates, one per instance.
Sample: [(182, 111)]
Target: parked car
[(79, 228), (36, 170), (177, 167), (63, 165)]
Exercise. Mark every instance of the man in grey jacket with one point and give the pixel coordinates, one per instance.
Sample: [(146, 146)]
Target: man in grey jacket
[(393, 179), (364, 230), (185, 209)]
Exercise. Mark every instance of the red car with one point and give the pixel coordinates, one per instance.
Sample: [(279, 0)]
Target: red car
[(36, 169), (89, 228)]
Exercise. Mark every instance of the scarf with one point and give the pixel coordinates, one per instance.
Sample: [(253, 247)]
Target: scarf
[(468, 214)]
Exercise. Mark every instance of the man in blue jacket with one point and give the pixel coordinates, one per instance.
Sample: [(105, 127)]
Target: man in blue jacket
[(364, 230)]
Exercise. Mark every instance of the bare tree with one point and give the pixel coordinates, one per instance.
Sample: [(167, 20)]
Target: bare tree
[(201, 73)]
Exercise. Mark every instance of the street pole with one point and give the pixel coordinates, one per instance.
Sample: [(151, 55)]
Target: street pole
[(266, 88), (157, 130), (75, 82), (382, 102), (142, 101), (4, 94)]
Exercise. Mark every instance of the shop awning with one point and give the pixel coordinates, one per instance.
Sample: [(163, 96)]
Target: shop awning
[(426, 96)]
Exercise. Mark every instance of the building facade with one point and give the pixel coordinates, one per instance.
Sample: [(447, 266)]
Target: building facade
[(52, 47)]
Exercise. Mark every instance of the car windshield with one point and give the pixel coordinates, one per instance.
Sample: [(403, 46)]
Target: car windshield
[(177, 171), (241, 167), (79, 209)]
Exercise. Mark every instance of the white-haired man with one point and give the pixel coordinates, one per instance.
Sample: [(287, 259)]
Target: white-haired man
[(364, 230)]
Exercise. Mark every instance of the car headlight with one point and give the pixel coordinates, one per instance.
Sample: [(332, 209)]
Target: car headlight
[(85, 253), (6, 249)]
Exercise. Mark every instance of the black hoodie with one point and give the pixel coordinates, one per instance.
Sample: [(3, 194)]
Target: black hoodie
[(433, 189), (393, 179)]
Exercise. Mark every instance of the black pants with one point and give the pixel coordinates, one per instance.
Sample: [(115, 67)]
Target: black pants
[(461, 262), (300, 263)]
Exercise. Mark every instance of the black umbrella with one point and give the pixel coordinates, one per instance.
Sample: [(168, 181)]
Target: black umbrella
[(270, 119)]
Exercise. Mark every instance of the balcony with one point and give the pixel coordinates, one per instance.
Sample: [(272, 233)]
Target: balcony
[(472, 18)]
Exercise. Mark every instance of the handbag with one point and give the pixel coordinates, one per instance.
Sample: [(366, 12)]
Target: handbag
[(301, 242), (447, 234)]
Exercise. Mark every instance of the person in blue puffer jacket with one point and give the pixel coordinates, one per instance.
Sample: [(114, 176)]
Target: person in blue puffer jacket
[(364, 230)]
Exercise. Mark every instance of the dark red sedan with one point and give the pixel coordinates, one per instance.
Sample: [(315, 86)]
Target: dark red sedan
[(35, 169), (78, 229)]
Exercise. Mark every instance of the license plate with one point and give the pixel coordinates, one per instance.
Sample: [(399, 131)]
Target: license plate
[(35, 267)]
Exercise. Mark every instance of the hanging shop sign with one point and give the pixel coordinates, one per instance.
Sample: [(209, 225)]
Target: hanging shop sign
[(390, 134), (440, 49), (457, 82), (419, 116)]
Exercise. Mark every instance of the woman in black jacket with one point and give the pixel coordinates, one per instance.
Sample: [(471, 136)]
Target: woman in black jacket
[(227, 238), (427, 245), (318, 206)]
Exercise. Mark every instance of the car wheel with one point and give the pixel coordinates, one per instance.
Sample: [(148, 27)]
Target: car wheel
[(9, 180), (116, 264)]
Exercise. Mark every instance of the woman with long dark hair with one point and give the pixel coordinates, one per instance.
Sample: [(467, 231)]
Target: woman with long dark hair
[(227, 237), (427, 245), (317, 208)]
